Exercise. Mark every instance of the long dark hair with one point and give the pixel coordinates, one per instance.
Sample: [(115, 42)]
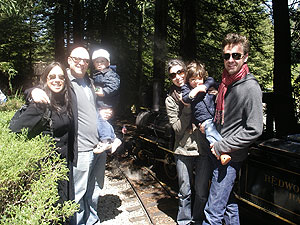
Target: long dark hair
[(58, 101)]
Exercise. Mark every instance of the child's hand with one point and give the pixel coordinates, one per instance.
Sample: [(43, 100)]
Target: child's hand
[(196, 90), (201, 88)]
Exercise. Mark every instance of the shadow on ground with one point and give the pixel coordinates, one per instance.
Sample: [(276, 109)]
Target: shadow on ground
[(108, 207)]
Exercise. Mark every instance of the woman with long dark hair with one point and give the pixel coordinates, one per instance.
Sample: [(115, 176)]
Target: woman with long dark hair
[(55, 82), (190, 151)]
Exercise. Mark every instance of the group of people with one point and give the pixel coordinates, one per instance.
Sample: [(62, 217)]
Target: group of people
[(214, 126), (80, 111)]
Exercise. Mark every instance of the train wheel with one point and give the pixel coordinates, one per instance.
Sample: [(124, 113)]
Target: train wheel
[(141, 157), (170, 166)]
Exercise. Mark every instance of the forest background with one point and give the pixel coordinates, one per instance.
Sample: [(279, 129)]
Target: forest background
[(142, 35)]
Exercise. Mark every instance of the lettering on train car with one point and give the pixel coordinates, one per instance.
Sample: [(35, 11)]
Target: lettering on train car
[(274, 188), (275, 181)]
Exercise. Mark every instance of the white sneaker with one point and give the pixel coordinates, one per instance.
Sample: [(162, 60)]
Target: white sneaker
[(116, 143), (101, 147)]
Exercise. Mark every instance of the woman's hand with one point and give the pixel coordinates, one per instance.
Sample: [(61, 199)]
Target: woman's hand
[(184, 103)]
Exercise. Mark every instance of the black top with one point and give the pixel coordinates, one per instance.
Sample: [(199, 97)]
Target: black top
[(62, 126)]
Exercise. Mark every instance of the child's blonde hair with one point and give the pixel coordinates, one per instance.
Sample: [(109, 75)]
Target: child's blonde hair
[(196, 69)]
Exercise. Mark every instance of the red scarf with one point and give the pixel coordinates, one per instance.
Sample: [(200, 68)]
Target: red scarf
[(226, 81)]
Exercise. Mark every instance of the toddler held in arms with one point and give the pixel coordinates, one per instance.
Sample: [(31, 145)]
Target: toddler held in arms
[(107, 84), (195, 93)]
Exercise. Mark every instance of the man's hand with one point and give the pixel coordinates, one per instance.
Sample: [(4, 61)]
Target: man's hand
[(99, 91), (39, 96), (212, 149), (106, 113)]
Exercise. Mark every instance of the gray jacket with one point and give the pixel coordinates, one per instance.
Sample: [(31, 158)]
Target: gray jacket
[(243, 118), (187, 142)]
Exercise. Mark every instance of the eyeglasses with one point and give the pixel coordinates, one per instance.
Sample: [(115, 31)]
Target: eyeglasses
[(78, 60), (54, 76), (179, 72), (235, 56)]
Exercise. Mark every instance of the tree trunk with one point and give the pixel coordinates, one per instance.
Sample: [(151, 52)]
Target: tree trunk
[(285, 121), (188, 41), (139, 73), (68, 24), (59, 33), (159, 50), (77, 22)]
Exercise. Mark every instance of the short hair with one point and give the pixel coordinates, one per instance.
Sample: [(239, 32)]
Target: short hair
[(234, 39), (175, 62), (196, 69)]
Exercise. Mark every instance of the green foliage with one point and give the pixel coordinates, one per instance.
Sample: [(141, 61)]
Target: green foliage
[(14, 102), (8, 70), (25, 39), (29, 171), (295, 31), (126, 29), (296, 89)]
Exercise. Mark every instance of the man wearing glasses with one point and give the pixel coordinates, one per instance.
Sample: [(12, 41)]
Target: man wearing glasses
[(239, 119), (190, 149), (88, 168)]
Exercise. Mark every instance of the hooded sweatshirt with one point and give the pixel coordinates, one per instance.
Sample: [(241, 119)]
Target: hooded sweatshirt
[(243, 118)]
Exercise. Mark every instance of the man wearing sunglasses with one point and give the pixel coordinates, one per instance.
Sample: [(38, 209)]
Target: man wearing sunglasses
[(239, 119), (88, 168)]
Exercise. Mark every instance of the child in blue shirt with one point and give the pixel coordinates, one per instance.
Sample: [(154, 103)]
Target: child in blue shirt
[(202, 103), (107, 85)]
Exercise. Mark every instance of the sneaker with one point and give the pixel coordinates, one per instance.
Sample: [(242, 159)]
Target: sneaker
[(116, 143), (101, 147)]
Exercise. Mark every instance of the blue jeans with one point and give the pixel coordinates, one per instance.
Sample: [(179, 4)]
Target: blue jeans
[(221, 204), (192, 209), (211, 133), (105, 130), (88, 182)]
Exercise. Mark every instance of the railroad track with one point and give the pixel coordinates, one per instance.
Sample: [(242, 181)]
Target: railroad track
[(157, 201)]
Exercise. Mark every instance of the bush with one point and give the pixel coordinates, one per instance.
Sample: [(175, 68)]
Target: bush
[(13, 103), (29, 171)]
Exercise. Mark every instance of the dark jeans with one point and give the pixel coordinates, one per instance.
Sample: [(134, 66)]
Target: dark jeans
[(221, 204), (186, 165)]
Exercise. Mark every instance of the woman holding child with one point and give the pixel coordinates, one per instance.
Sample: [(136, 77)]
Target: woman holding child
[(191, 151)]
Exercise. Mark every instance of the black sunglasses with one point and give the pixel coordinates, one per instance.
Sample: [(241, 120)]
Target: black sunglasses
[(173, 75), (54, 76), (78, 60), (235, 56)]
